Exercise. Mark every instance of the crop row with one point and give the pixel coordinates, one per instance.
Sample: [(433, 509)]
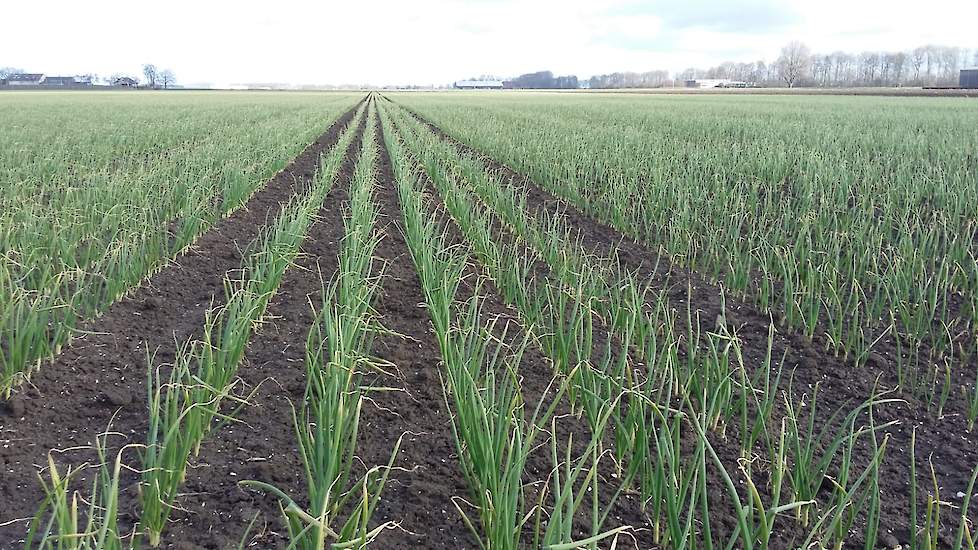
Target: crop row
[(198, 396), (705, 392), (853, 221), (86, 214)]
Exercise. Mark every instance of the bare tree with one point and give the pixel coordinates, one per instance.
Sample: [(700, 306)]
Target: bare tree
[(931, 60), (950, 63), (923, 66), (760, 72), (917, 57), (7, 71), (151, 74), (794, 62), (167, 78), (898, 62)]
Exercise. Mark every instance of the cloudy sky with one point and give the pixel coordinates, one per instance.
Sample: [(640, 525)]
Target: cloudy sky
[(438, 41)]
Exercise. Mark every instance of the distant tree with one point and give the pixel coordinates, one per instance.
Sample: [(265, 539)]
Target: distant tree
[(917, 57), (535, 81), (166, 78), (794, 62), (691, 73), (898, 62), (930, 60), (869, 64), (151, 74), (760, 72), (7, 71), (950, 63), (566, 82)]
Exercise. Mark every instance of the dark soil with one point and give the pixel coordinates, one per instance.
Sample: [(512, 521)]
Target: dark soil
[(101, 375), (944, 441)]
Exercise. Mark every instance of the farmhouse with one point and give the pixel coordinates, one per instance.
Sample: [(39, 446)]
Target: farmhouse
[(969, 78), (479, 84), (125, 82), (24, 79)]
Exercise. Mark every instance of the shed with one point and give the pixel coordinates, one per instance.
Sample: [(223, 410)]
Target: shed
[(62, 82), (24, 79), (969, 78)]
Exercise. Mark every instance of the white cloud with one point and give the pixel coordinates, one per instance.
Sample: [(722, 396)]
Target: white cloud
[(437, 41)]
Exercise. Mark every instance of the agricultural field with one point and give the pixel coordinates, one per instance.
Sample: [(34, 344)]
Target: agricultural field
[(101, 189), (488, 320)]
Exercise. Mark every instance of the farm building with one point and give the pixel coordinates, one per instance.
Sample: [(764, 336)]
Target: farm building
[(125, 82), (24, 79), (64, 82), (969, 78), (716, 83), (479, 85), (28, 80)]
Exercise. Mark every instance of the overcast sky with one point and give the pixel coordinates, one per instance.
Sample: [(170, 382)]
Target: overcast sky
[(438, 41)]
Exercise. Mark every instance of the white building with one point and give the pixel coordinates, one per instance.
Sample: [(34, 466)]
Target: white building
[(24, 79), (716, 83), (479, 84)]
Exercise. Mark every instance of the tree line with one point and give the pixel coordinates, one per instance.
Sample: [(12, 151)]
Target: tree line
[(929, 65)]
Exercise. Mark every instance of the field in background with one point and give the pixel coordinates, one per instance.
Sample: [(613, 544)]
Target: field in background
[(503, 320)]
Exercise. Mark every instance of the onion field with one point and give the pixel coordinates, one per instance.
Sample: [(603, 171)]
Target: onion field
[(487, 320), (101, 189)]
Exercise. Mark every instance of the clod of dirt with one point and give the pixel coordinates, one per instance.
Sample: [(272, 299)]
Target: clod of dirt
[(118, 397), (15, 407), (247, 514), (889, 541), (266, 472), (877, 360), (153, 302), (808, 363)]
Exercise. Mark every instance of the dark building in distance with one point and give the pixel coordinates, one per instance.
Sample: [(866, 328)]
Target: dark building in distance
[(969, 78)]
